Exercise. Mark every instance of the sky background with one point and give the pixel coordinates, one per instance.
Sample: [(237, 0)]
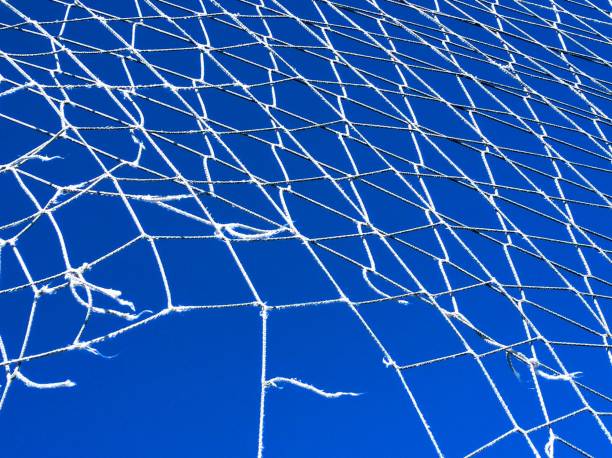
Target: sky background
[(180, 99)]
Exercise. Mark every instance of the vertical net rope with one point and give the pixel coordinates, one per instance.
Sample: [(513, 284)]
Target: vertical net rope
[(447, 155)]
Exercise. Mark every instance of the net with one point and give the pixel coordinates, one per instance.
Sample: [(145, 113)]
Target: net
[(437, 172)]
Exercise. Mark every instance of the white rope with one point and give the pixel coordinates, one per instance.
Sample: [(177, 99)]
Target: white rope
[(437, 151)]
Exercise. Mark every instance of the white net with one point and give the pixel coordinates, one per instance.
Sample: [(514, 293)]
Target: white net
[(437, 170)]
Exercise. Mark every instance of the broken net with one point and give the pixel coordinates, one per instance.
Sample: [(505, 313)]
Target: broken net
[(431, 177)]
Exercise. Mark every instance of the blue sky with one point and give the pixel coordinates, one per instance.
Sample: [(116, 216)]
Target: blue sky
[(415, 193)]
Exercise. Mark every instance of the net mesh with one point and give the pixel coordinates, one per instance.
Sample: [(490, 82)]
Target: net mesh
[(447, 158)]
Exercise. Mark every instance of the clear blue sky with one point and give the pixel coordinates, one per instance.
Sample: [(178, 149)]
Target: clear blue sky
[(404, 180)]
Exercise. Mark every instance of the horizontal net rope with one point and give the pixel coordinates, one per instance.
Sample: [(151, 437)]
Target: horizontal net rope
[(444, 157)]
